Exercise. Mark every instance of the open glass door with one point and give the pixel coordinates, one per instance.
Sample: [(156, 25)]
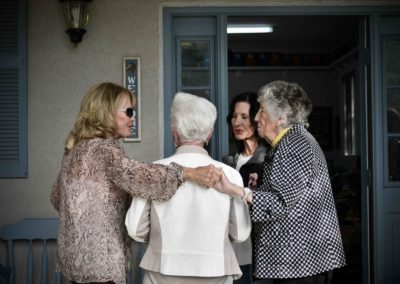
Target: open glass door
[(386, 134)]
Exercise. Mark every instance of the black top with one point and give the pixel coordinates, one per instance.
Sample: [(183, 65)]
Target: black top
[(251, 171)]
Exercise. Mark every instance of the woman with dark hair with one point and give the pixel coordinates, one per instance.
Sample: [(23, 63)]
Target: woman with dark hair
[(250, 147), (248, 160)]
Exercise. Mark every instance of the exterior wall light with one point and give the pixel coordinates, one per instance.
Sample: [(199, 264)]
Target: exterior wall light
[(76, 14)]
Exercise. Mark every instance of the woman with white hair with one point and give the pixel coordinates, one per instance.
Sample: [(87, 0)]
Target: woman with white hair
[(190, 235), (296, 236)]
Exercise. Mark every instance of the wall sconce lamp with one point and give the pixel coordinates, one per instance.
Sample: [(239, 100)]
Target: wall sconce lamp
[(76, 14)]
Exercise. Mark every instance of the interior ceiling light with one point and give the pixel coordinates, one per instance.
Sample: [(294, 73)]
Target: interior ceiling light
[(249, 29)]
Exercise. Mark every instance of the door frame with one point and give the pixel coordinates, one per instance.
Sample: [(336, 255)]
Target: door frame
[(368, 92), (385, 198)]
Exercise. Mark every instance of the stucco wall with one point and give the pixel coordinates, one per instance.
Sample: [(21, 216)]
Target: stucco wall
[(59, 74)]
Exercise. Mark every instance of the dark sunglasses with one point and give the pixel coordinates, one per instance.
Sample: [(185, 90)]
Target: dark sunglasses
[(128, 112)]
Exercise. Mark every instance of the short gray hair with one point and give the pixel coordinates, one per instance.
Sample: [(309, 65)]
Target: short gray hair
[(287, 101), (192, 117)]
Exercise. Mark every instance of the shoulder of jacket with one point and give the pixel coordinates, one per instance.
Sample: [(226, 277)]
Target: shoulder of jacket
[(107, 146), (165, 161), (295, 143), (259, 155), (229, 159), (232, 174)]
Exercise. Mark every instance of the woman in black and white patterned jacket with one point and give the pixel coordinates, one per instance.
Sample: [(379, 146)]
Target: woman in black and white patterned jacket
[(296, 235)]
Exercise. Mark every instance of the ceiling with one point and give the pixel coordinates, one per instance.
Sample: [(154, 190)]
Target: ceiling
[(325, 33)]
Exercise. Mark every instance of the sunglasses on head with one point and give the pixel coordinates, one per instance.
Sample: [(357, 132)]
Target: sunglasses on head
[(128, 112)]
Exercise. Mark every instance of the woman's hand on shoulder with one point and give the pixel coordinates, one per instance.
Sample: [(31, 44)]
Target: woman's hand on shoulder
[(223, 185), (204, 175)]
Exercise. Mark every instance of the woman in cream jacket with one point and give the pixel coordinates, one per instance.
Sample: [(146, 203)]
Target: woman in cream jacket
[(190, 235)]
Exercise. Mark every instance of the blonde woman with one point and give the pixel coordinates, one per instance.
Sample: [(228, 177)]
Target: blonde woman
[(94, 185)]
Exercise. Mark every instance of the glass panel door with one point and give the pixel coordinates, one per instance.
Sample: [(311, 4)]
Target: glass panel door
[(392, 90), (194, 75), (386, 162), (190, 44)]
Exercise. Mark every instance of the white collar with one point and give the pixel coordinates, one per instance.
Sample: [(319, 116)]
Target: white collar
[(184, 149)]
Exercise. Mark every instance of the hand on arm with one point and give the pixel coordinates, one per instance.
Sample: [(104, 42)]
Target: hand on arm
[(225, 186), (206, 175)]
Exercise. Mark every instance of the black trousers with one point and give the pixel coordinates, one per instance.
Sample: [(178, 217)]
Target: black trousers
[(109, 282), (323, 278)]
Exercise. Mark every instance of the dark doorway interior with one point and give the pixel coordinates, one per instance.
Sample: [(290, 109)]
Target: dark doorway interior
[(321, 54)]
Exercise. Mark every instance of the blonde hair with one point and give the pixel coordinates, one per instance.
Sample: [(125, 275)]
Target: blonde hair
[(96, 116)]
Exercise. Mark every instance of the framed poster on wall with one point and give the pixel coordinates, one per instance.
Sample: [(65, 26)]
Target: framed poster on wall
[(131, 77)]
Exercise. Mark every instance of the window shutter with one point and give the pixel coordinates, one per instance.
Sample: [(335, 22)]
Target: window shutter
[(13, 89)]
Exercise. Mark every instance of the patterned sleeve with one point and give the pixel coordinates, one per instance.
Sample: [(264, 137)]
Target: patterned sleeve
[(289, 178), (144, 180), (55, 194), (55, 191)]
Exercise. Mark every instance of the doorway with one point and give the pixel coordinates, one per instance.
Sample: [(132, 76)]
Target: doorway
[(320, 53), (327, 55)]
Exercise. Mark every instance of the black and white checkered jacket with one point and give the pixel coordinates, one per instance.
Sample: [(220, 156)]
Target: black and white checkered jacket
[(295, 226)]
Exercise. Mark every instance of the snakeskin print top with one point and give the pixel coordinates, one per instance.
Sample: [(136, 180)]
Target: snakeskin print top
[(92, 194)]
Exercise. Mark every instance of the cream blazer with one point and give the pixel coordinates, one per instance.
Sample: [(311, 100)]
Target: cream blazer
[(191, 234)]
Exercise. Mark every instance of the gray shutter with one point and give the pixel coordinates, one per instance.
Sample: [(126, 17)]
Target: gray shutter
[(13, 82)]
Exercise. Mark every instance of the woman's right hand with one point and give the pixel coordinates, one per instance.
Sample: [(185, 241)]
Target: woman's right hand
[(223, 185)]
